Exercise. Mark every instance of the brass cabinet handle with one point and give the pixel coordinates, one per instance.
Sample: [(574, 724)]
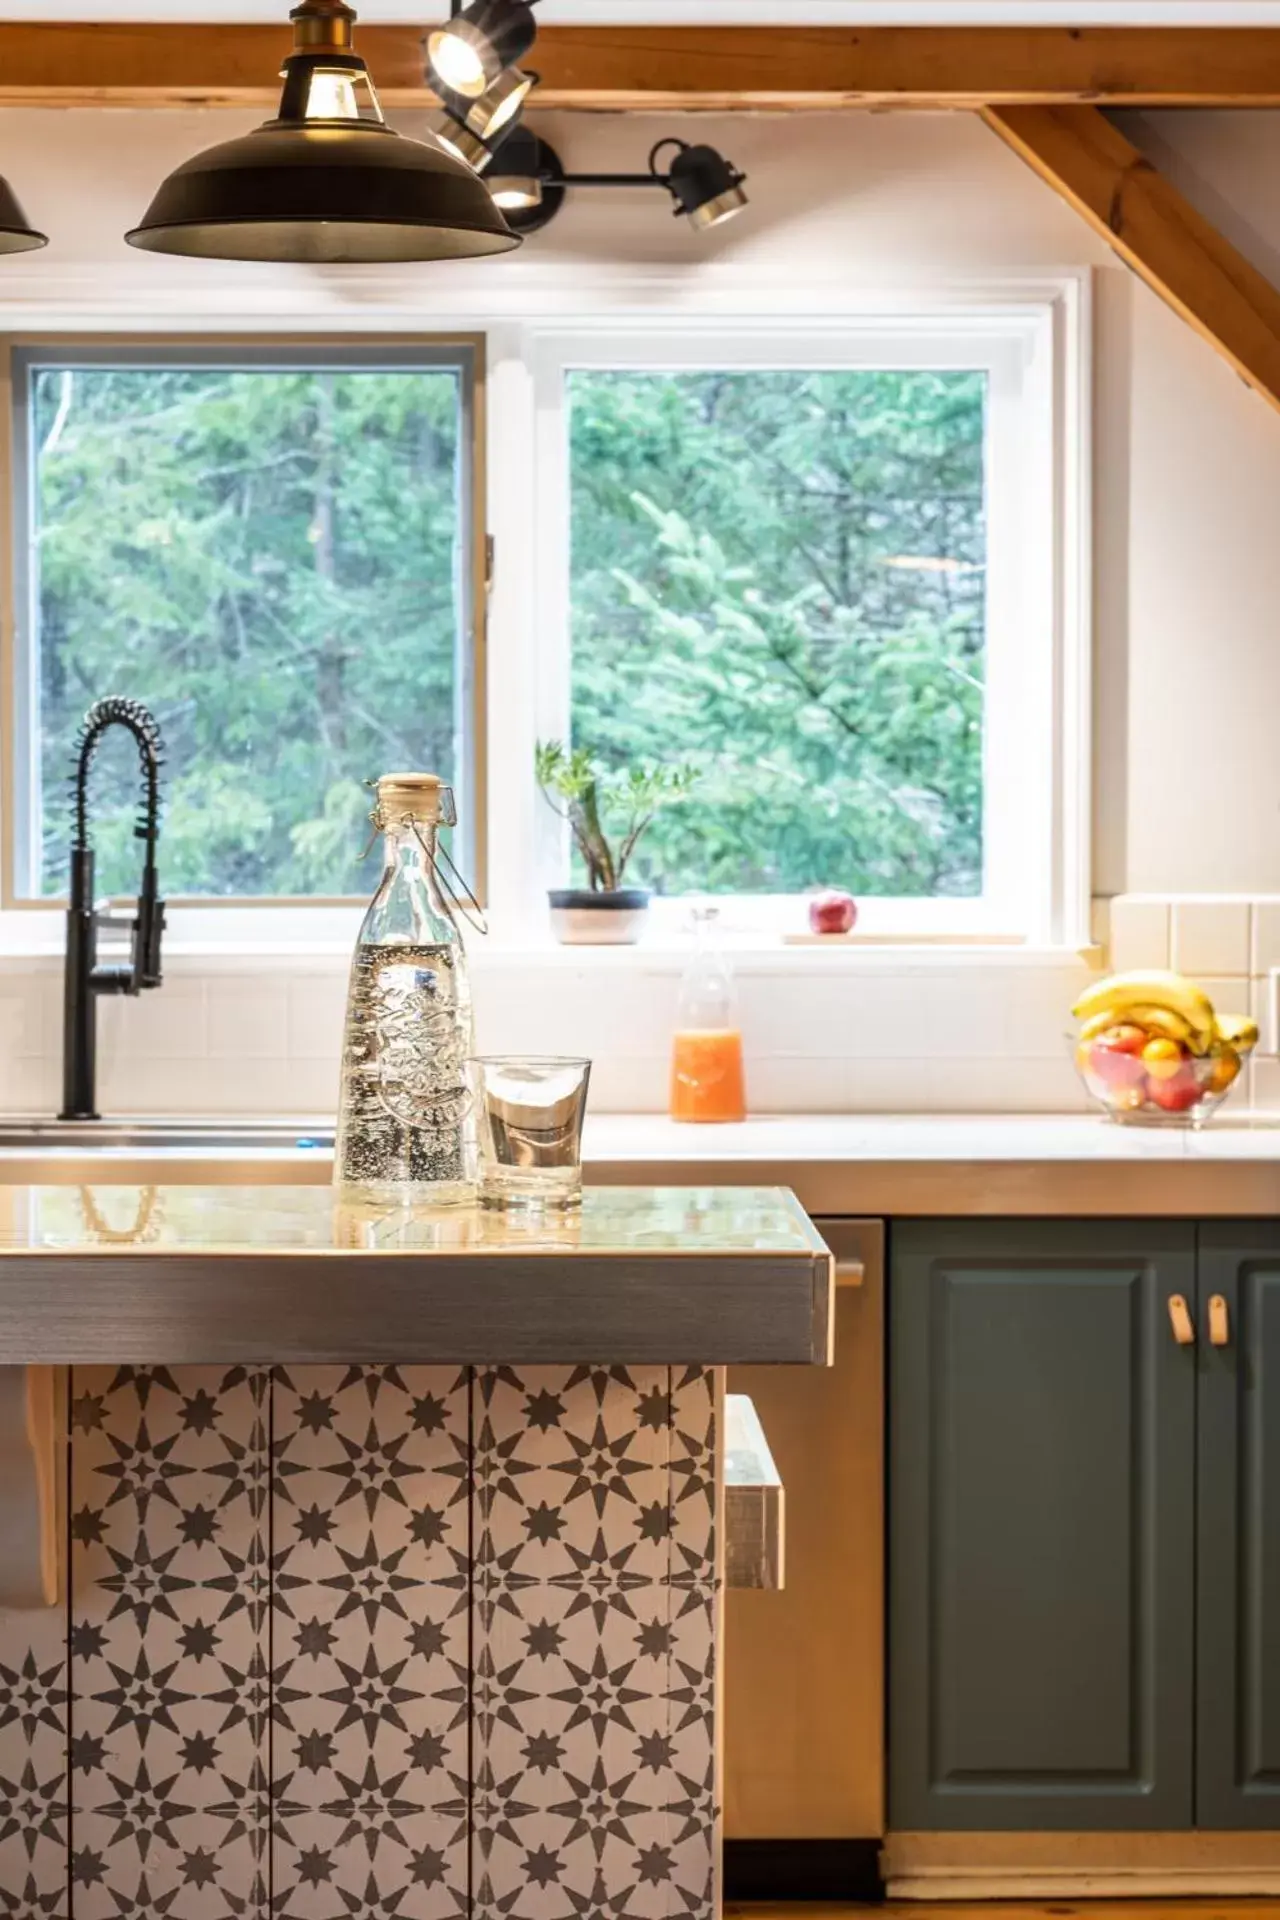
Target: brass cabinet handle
[(1219, 1322), (1180, 1320)]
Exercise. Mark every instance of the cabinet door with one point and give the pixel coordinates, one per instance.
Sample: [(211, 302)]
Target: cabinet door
[(1042, 1433), (1238, 1616)]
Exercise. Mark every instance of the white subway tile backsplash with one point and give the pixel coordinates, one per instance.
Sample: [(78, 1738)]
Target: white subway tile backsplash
[(1139, 933), (248, 1019), (1266, 1085), (982, 1035), (316, 1007), (779, 1083), (1211, 937), (1266, 936), (167, 1024), (1263, 1007)]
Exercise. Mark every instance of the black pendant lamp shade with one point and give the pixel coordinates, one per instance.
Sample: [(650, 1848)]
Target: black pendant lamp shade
[(327, 181), (17, 235)]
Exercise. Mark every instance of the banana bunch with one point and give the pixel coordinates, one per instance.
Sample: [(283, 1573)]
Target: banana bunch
[(1151, 1042)]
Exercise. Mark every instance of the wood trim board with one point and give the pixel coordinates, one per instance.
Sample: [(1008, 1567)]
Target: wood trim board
[(973, 1867), (1142, 217), (673, 69)]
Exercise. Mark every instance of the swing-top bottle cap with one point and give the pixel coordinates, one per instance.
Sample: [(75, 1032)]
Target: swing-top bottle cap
[(415, 796)]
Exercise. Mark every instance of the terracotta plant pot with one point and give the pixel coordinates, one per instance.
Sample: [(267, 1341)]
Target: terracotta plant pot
[(580, 918)]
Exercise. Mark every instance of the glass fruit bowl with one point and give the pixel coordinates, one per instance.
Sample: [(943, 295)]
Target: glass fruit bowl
[(1163, 1088)]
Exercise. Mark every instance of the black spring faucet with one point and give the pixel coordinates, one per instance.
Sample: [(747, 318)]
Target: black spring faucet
[(85, 979)]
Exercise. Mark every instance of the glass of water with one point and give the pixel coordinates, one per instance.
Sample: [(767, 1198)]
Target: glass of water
[(529, 1114)]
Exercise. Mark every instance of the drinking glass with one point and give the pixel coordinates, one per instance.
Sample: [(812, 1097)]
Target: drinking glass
[(529, 1114)]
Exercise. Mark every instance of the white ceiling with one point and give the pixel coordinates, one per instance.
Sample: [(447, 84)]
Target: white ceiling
[(779, 13)]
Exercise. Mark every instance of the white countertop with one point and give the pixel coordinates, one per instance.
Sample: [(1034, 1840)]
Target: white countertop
[(961, 1163), (646, 1137)]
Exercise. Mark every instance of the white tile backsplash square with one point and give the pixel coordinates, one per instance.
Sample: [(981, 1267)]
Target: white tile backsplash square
[(316, 1009), (1139, 933), (1212, 937), (248, 1019), (781, 1083), (1262, 1005), (1266, 936), (167, 1023), (1266, 1085)]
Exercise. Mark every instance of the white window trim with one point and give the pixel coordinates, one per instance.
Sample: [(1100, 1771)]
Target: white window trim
[(1034, 343), (515, 315)]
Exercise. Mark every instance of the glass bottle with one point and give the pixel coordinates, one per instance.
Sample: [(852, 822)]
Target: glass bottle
[(707, 1079), (405, 1129)]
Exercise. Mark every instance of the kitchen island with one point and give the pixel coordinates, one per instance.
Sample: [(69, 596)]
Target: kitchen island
[(395, 1549)]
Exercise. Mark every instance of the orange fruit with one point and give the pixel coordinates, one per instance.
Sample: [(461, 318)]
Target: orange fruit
[(1162, 1059)]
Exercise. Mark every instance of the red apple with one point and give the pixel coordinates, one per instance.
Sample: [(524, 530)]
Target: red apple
[(1116, 1056), (1177, 1094), (833, 912)]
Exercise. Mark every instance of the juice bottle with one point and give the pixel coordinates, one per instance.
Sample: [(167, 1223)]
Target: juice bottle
[(707, 1082)]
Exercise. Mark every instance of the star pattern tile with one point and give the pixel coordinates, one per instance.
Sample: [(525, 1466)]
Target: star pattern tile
[(168, 1639), (360, 1643), (371, 1641), (596, 1601)]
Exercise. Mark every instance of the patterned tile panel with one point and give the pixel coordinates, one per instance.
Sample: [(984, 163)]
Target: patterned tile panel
[(33, 1764), (594, 1722), (374, 1644), (371, 1645), (168, 1644)]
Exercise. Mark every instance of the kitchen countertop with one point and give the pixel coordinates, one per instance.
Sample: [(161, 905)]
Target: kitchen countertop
[(172, 1273), (852, 1164), (955, 1164)]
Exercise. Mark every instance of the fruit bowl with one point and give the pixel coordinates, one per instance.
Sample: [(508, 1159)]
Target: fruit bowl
[(1153, 1050), (1129, 1094)]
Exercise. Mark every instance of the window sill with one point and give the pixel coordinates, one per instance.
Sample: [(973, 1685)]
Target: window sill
[(764, 957)]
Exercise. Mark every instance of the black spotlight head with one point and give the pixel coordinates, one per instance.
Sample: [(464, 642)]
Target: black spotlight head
[(469, 53), (527, 181), (705, 186)]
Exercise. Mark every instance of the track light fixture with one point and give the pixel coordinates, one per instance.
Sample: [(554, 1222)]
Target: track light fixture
[(326, 180), (528, 182), (479, 44)]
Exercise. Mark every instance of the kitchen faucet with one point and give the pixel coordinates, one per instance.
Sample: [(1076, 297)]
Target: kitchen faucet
[(85, 979)]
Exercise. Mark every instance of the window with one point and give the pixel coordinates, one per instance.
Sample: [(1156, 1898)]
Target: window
[(832, 570), (780, 576), (273, 549)]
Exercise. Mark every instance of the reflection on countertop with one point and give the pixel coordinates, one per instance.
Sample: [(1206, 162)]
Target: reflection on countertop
[(157, 1219)]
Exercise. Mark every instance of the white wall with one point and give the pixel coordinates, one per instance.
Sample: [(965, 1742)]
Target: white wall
[(1187, 558)]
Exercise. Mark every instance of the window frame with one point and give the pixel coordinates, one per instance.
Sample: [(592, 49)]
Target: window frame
[(1036, 737), (249, 919)]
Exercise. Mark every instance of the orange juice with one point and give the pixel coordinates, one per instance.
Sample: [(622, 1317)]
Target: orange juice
[(707, 1081)]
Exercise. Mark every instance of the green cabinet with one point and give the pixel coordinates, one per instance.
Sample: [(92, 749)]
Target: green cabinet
[(1238, 1524), (1084, 1526), (1042, 1543)]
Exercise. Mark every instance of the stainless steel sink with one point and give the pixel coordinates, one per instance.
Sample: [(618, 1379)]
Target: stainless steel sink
[(160, 1136)]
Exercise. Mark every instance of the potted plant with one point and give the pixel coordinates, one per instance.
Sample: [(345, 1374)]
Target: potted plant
[(581, 791)]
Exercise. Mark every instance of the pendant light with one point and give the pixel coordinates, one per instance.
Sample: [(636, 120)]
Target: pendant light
[(468, 55), (327, 180), (17, 235)]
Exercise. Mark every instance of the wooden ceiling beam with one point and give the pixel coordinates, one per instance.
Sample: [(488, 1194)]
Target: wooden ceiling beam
[(1143, 218), (674, 69)]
